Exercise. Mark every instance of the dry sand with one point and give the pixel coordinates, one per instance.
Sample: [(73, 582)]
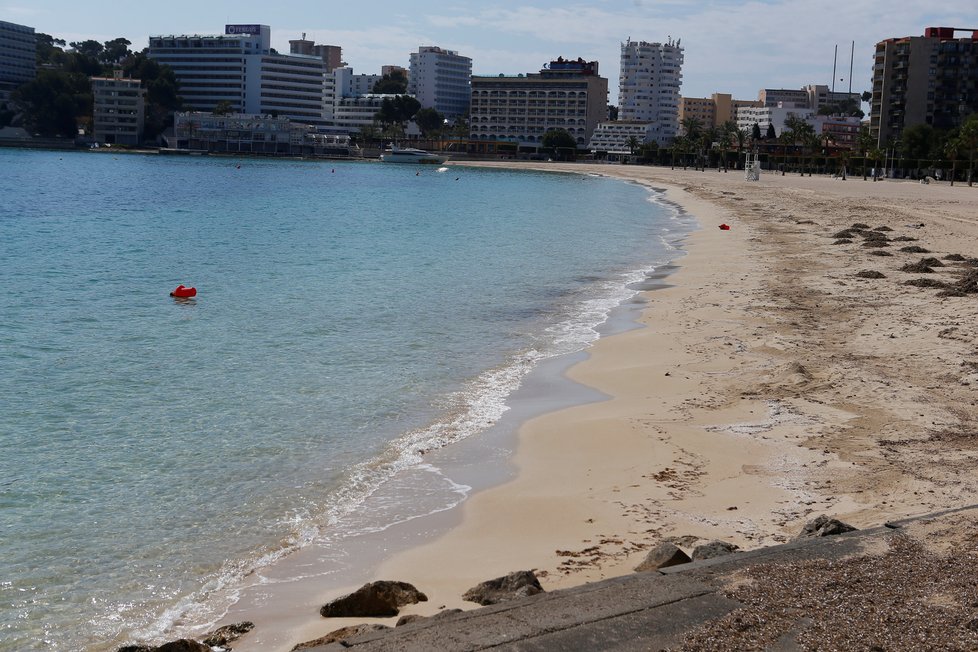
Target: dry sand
[(769, 384)]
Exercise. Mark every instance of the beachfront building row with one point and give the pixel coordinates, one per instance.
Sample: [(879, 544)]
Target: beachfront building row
[(565, 94), (18, 57), (713, 111), (841, 131), (924, 80), (255, 134), (240, 68)]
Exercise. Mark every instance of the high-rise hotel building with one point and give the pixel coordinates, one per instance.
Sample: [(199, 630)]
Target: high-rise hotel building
[(440, 79), (239, 67), (566, 94), (648, 86), (930, 79), (18, 56)]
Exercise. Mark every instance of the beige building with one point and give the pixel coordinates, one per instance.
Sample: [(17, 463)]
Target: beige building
[(713, 111), (119, 113), (564, 95)]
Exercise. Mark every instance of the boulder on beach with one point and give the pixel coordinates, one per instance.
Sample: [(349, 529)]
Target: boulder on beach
[(823, 526), (183, 645), (221, 636), (714, 549), (514, 586), (374, 600), (341, 634), (662, 556)]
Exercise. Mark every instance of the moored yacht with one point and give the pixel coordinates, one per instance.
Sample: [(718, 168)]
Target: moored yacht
[(409, 155)]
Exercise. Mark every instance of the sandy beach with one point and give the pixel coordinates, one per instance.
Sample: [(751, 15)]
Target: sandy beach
[(771, 382)]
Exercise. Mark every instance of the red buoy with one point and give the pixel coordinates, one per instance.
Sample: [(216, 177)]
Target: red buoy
[(724, 227), (184, 292)]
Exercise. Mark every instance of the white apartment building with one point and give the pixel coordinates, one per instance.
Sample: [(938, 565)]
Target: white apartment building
[(565, 95), (614, 136), (648, 86), (239, 67), (813, 96), (18, 56), (119, 110), (843, 131), (440, 79)]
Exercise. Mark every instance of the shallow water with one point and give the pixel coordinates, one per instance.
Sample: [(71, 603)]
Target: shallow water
[(349, 315)]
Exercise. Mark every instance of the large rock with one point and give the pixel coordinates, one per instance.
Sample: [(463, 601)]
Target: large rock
[(714, 549), (183, 645), (514, 586), (374, 600), (221, 636), (341, 634), (823, 526), (662, 556)]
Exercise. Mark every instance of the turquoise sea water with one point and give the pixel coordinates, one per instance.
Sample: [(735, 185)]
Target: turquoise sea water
[(154, 451)]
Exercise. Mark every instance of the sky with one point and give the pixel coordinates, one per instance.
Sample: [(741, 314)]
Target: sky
[(736, 47)]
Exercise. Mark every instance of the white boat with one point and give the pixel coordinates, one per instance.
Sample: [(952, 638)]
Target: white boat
[(410, 155)]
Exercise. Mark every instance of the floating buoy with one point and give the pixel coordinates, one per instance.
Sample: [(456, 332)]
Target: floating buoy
[(184, 292), (724, 227)]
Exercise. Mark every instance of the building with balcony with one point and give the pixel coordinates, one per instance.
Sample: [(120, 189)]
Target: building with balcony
[(239, 67), (119, 112), (648, 86), (618, 136), (565, 94), (713, 111), (930, 79), (440, 79), (18, 57)]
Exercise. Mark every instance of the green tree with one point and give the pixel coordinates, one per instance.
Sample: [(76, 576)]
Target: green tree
[(632, 144), (89, 48), (968, 138), (755, 132), (115, 51), (560, 142), (771, 134), (612, 112), (394, 83), (649, 152), (951, 150), (224, 107), (864, 143), (50, 50), (429, 121), (53, 102)]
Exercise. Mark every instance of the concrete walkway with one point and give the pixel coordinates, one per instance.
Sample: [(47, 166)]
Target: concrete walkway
[(645, 611)]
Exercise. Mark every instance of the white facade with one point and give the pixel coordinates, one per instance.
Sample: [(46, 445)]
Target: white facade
[(348, 84), (441, 79), (352, 113), (239, 67), (842, 130), (813, 97), (614, 137), (648, 86)]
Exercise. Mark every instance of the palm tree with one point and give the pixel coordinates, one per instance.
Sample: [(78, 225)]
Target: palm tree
[(741, 136), (969, 142), (864, 142), (951, 149), (632, 144)]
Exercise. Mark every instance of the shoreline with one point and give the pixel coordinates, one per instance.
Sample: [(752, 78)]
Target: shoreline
[(737, 412)]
